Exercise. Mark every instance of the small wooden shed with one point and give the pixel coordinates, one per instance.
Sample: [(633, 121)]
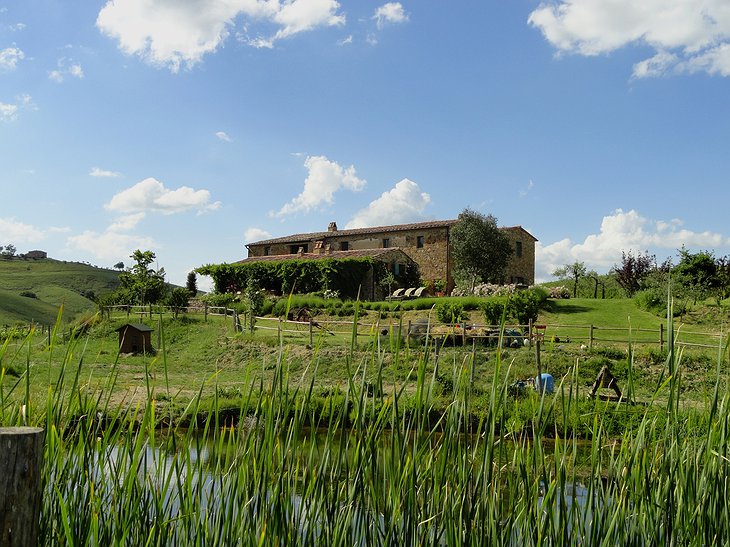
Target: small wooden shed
[(135, 338)]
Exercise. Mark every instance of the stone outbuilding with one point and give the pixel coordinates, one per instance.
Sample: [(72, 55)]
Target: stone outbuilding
[(135, 338)]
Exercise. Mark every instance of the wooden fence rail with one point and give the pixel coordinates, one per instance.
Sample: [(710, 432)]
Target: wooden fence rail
[(548, 333)]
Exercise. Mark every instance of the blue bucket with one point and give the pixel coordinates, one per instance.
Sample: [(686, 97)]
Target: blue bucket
[(548, 384)]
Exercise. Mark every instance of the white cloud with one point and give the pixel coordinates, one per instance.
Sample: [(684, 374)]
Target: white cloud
[(401, 204), (345, 41), (325, 178), (76, 71), (8, 112), (9, 58), (14, 231), (622, 231), (126, 222), (172, 34), (686, 35), (526, 190), (255, 234), (222, 135), (98, 172), (151, 195), (65, 69), (109, 245), (392, 12)]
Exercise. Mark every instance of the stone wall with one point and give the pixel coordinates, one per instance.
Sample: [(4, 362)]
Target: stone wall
[(433, 257), (521, 267)]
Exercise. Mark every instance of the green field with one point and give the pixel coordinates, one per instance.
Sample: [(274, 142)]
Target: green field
[(230, 438), (211, 359), (54, 283)]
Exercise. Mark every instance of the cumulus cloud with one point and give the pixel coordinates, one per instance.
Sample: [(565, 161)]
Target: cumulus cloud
[(150, 195), (686, 35), (255, 234), (110, 244), (126, 222), (401, 204), (98, 172), (622, 231), (9, 58), (392, 12), (222, 135), (324, 179), (173, 34), (14, 231)]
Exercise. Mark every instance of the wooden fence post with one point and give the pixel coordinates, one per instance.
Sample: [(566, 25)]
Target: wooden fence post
[(590, 338), (205, 311), (539, 366), (311, 336), (661, 336), (408, 334), (21, 458)]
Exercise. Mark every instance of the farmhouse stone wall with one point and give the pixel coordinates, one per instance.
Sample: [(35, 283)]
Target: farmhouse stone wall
[(521, 267), (425, 243)]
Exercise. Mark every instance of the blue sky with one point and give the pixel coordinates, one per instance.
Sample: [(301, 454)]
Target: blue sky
[(193, 127)]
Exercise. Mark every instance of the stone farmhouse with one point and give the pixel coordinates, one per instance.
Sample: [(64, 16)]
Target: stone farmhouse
[(426, 243)]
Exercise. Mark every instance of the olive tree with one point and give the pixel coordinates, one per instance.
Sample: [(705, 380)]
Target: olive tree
[(481, 251), (575, 271)]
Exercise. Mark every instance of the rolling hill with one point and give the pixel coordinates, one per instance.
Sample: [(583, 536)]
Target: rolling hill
[(34, 289)]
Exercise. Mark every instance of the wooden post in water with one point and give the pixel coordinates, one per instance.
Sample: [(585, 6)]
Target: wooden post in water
[(21, 458)]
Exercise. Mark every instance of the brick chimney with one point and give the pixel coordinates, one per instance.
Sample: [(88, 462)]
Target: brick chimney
[(332, 227)]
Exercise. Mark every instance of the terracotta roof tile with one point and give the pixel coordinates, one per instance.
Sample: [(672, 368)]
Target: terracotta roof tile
[(294, 238), (355, 253)]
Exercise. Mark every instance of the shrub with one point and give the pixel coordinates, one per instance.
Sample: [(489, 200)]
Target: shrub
[(493, 310), (450, 312), (524, 306), (559, 292)]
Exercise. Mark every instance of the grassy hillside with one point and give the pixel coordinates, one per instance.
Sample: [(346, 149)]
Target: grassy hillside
[(53, 282)]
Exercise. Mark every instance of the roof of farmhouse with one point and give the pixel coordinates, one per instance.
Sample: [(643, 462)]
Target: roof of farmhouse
[(294, 238)]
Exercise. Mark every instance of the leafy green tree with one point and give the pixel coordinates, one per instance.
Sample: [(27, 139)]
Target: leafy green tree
[(8, 251), (119, 265), (697, 272), (481, 251), (141, 283), (178, 300), (192, 283), (575, 271)]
